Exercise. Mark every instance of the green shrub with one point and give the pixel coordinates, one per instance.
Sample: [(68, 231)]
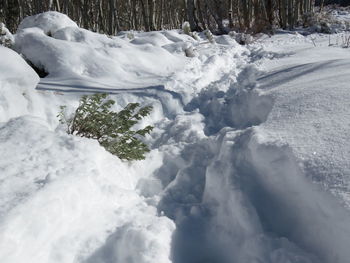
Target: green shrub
[(94, 119)]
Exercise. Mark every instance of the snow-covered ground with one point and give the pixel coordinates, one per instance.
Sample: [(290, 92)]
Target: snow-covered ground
[(250, 157)]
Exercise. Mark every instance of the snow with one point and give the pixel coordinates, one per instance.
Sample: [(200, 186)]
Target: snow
[(249, 159), (63, 204), (48, 22), (14, 88), (315, 95), (90, 59)]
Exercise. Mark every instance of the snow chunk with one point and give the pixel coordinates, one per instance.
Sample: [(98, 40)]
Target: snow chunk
[(153, 38), (49, 22)]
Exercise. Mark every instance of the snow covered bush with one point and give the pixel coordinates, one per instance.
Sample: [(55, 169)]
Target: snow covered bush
[(94, 119), (242, 38), (130, 35), (6, 38), (186, 29), (189, 50), (324, 22), (209, 36)]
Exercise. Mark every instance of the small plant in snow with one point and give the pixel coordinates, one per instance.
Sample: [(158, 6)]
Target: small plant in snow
[(94, 119), (6, 38), (195, 35), (242, 38), (189, 50), (130, 35), (345, 41), (209, 36), (186, 29)]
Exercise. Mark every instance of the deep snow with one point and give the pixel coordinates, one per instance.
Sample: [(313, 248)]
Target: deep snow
[(249, 161)]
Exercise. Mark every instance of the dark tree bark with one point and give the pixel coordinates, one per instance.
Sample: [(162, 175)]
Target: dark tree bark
[(12, 14)]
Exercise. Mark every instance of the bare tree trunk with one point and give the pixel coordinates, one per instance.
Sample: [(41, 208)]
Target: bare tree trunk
[(200, 15), (152, 14), (161, 14), (290, 14), (284, 13), (134, 14), (245, 14), (111, 17), (296, 11), (145, 15), (230, 14), (270, 12), (12, 15), (191, 15)]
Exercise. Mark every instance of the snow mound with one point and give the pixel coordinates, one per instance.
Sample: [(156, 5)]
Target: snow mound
[(17, 95), (95, 60), (15, 66), (153, 38), (311, 114), (64, 204), (68, 199), (48, 22)]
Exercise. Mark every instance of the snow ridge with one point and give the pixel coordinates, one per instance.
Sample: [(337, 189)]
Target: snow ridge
[(242, 197)]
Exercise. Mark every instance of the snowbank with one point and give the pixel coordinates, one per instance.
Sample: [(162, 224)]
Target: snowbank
[(17, 84), (79, 59), (311, 112), (60, 204), (48, 22), (92, 59), (64, 198)]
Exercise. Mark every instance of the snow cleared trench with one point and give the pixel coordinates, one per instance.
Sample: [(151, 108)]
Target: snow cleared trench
[(239, 197)]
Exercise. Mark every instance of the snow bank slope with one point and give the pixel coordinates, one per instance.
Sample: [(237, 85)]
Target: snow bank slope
[(77, 59), (59, 204), (64, 198), (55, 44), (311, 111), (244, 196), (13, 87)]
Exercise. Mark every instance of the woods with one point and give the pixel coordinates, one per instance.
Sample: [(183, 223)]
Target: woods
[(112, 16)]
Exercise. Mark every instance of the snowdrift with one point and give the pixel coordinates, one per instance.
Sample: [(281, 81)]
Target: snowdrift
[(82, 60), (55, 44), (14, 88), (249, 159)]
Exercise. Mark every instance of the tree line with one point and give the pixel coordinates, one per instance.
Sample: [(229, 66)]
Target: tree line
[(112, 16)]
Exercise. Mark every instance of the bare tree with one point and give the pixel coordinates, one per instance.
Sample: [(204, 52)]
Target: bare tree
[(111, 16)]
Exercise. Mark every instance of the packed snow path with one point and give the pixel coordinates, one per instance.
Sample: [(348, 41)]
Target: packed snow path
[(250, 159)]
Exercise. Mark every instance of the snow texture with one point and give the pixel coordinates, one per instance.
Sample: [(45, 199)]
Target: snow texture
[(249, 160)]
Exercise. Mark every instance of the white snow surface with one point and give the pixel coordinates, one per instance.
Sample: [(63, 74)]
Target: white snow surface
[(48, 22), (249, 160)]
